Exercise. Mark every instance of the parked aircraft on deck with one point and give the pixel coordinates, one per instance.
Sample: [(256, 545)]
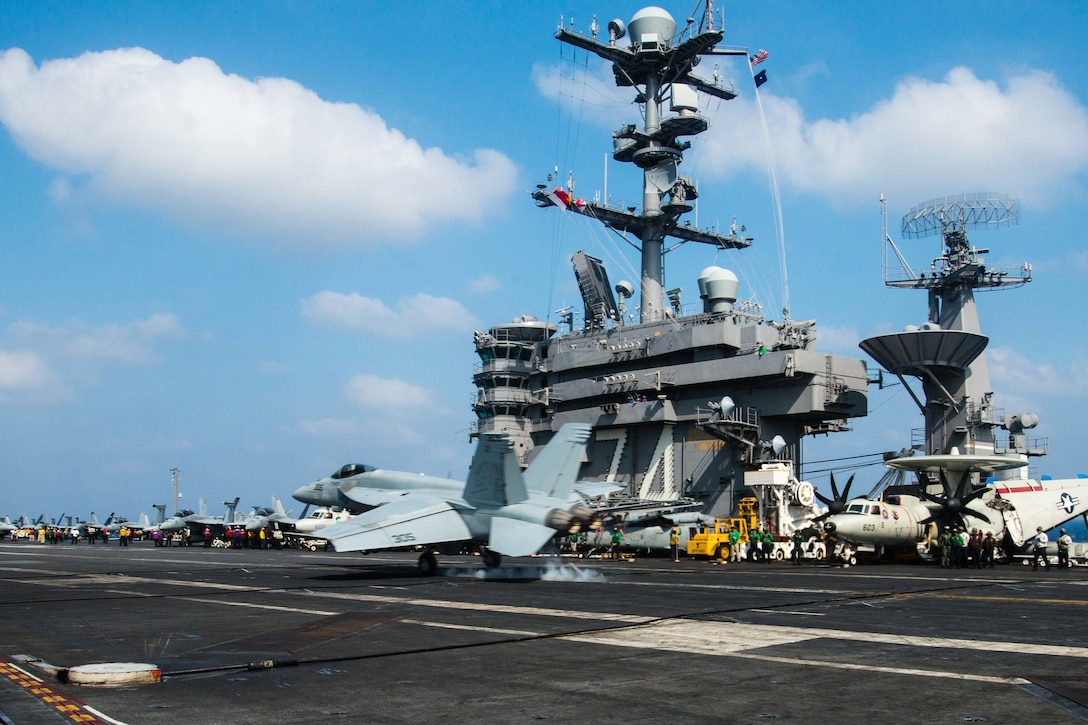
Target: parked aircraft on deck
[(186, 519), (265, 518), (1011, 508)]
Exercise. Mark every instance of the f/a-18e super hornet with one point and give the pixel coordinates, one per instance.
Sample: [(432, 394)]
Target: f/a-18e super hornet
[(140, 525), (358, 487), (499, 509), (186, 519), (266, 518)]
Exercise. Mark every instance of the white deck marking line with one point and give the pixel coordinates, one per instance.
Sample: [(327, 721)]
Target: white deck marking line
[(505, 609), (493, 630), (77, 580), (785, 611), (102, 716), (717, 638), (734, 644), (877, 668), (273, 607), (734, 587)]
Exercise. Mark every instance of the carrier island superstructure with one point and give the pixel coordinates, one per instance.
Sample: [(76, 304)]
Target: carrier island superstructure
[(700, 404)]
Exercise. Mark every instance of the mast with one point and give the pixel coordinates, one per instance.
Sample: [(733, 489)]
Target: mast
[(945, 353), (657, 64)]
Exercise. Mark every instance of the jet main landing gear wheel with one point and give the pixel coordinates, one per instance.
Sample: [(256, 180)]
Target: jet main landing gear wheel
[(428, 565), (492, 559)]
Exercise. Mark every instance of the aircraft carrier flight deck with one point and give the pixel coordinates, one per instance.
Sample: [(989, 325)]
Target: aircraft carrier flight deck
[(249, 636)]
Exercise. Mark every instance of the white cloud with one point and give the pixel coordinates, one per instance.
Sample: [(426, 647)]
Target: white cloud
[(1027, 137), (23, 370), (267, 157), (130, 344), (588, 90), (414, 316), (838, 340), (382, 395), (1009, 370), (484, 283), (331, 427), (273, 367), (389, 411)]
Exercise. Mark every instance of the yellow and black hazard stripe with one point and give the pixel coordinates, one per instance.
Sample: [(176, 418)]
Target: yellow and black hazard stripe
[(70, 707)]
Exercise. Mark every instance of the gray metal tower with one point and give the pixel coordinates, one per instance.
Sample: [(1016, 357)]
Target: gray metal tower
[(658, 64), (945, 353)]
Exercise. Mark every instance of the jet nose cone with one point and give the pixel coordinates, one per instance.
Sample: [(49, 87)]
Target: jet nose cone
[(303, 492), (829, 527)]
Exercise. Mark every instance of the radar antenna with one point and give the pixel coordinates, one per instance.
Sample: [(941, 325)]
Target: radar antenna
[(954, 213), (959, 264)]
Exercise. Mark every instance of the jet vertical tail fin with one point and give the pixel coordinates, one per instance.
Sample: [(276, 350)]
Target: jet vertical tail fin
[(277, 506), (555, 469), (494, 478), (228, 518), (143, 521), (160, 512)]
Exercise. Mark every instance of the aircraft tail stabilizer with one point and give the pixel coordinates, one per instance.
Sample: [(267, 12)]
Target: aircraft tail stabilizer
[(555, 469), (494, 478), (513, 537), (229, 518), (277, 506)]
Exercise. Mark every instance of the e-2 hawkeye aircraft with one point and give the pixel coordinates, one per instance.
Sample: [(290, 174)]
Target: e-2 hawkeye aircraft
[(500, 509), (1012, 508)]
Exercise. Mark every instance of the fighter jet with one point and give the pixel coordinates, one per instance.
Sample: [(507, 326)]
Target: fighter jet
[(141, 524), (499, 509), (265, 518), (358, 487), (7, 528), (186, 519), (1011, 508)]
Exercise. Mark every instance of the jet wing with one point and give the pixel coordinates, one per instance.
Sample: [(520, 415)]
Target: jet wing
[(592, 489), (371, 497), (409, 521), (204, 521)]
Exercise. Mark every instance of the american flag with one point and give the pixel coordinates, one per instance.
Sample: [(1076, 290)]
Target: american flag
[(758, 57)]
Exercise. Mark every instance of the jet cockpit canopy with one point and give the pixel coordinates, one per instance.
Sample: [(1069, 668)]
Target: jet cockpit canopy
[(352, 469)]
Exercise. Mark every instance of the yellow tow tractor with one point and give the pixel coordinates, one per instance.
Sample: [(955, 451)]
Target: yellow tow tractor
[(713, 539)]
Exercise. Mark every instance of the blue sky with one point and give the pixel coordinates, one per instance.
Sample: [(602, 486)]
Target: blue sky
[(252, 240)]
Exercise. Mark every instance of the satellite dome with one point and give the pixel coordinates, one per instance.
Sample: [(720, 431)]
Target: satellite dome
[(718, 287), (651, 28)]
